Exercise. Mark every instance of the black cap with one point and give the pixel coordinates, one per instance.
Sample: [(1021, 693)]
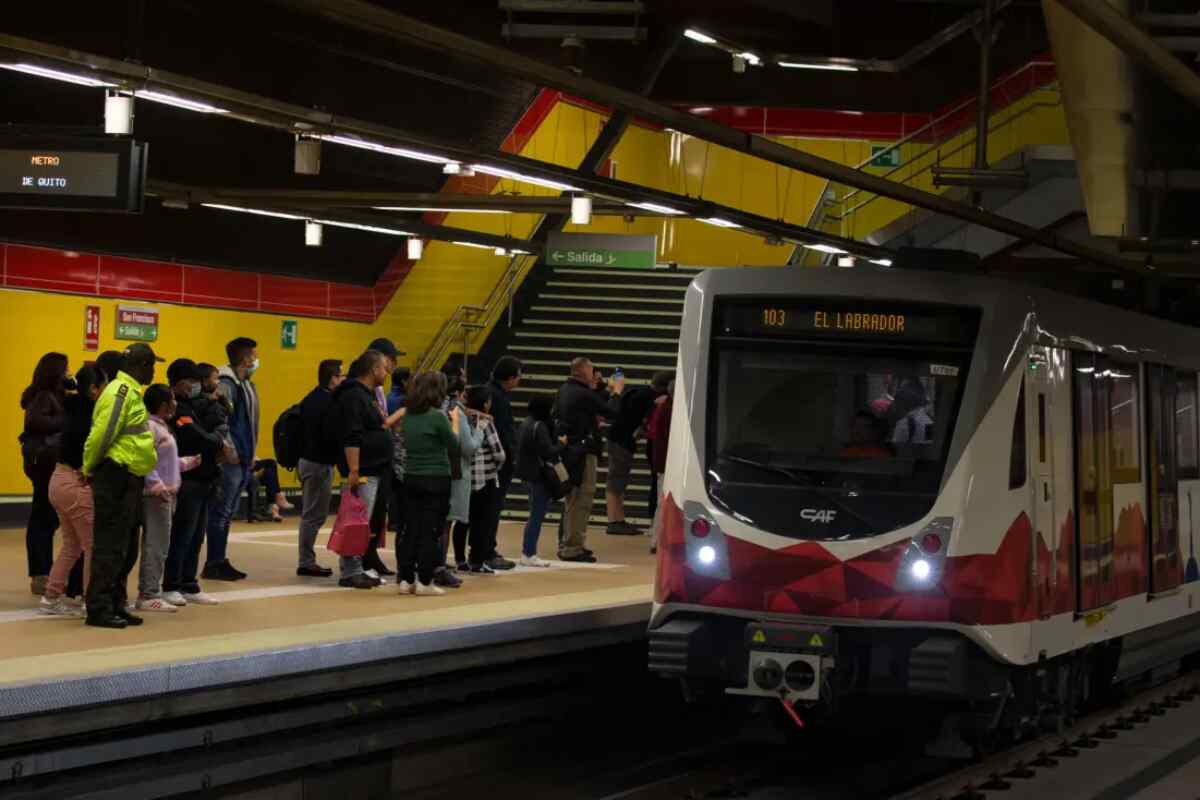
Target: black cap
[(386, 347), (141, 353), (183, 369)]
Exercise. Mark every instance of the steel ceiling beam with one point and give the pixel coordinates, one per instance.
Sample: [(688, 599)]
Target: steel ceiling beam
[(293, 119), (1137, 44), (379, 21)]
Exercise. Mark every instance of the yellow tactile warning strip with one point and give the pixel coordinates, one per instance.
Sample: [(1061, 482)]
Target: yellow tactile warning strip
[(274, 609)]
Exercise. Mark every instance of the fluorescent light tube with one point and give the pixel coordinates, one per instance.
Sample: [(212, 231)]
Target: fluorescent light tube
[(720, 223), (400, 152), (56, 75), (446, 210), (824, 248), (699, 36), (809, 65), (656, 208), (178, 102), (498, 172)]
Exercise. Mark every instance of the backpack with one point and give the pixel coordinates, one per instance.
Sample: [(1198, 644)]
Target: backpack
[(288, 436)]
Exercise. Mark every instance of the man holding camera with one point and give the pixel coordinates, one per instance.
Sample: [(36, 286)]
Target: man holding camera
[(577, 409)]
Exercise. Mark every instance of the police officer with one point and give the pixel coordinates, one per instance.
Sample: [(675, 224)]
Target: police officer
[(116, 458)]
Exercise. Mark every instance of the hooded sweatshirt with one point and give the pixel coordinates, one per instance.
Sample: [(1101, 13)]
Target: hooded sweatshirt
[(354, 420)]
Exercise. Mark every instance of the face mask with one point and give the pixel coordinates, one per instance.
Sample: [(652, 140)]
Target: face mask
[(194, 391), (253, 368)]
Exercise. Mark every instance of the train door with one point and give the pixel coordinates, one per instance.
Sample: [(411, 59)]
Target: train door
[(1107, 470), (1163, 441), (1187, 455), (1048, 409)]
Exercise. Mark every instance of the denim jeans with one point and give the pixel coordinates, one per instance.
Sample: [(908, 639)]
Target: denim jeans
[(349, 566), (316, 482), (187, 536), (539, 502), (234, 478)]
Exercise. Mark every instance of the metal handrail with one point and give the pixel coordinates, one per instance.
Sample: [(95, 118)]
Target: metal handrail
[(466, 319), (816, 217)]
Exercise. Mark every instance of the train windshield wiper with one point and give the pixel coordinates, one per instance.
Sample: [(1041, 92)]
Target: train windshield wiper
[(767, 466)]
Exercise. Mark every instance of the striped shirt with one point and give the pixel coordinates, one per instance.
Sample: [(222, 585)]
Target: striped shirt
[(485, 468)]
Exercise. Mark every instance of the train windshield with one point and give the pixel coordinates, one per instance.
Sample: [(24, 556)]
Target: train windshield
[(824, 440)]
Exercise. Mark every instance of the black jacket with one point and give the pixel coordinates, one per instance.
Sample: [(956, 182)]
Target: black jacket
[(316, 446), (535, 446), (354, 420), (576, 410), (194, 425), (502, 415), (77, 425), (635, 406)]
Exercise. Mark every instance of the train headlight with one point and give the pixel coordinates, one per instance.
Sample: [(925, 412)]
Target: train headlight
[(920, 569), (707, 554)]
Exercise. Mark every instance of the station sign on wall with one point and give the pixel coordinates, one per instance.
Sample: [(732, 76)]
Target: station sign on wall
[(289, 334), (137, 323), (91, 328), (882, 156), (601, 250)]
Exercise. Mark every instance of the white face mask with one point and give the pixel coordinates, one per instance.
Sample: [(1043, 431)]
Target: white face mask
[(253, 368)]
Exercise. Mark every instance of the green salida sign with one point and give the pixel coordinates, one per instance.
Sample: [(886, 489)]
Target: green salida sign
[(601, 250)]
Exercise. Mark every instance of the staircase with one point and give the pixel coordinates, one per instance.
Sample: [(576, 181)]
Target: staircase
[(618, 318)]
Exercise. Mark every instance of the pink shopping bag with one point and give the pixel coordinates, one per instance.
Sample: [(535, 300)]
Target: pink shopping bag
[(352, 528)]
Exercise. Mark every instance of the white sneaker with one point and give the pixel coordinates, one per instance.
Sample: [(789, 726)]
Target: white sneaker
[(154, 604), (58, 608), (175, 598), (200, 599), (72, 602), (533, 561), (370, 573), (428, 590), (404, 587)]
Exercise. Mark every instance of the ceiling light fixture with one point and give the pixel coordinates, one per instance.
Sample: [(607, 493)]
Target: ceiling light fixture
[(258, 212), (656, 208), (699, 36), (416, 248), (720, 223), (813, 65), (312, 233), (56, 75), (333, 223), (178, 102), (498, 172), (357, 226), (581, 210), (751, 59), (824, 248), (400, 152), (425, 209), (476, 246), (883, 262), (118, 113)]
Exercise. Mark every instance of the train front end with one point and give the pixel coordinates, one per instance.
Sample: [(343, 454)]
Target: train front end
[(811, 534)]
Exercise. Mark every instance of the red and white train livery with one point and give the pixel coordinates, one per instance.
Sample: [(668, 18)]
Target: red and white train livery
[(928, 485)]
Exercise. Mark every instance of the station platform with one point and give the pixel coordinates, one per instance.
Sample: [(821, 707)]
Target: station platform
[(276, 636)]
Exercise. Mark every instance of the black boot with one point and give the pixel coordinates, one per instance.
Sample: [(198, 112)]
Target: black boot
[(105, 619)]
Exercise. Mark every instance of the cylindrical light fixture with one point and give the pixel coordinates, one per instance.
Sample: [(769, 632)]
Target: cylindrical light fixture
[(308, 156), (118, 113), (500, 251), (312, 233), (581, 209), (845, 261), (415, 248)]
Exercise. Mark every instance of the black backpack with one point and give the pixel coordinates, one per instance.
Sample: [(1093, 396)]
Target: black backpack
[(288, 435)]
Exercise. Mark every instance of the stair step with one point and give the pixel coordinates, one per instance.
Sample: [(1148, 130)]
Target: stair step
[(622, 312), (602, 324), (662, 274), (630, 369), (634, 301), (670, 357), (664, 339)]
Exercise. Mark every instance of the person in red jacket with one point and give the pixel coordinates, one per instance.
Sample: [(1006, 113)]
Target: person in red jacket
[(658, 431)]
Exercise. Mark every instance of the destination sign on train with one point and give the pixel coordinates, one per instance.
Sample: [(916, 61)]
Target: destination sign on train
[(839, 319)]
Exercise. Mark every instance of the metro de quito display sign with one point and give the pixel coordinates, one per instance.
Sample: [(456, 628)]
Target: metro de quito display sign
[(601, 250), (72, 173), (137, 323)]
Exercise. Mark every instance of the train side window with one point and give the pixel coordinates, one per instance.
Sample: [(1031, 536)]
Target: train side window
[(1041, 428), (1186, 448), (1016, 462), (1124, 452)]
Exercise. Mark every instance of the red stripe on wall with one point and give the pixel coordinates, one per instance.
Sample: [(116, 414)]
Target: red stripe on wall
[(95, 275)]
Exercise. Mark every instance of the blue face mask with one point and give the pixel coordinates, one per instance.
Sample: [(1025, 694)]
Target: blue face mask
[(253, 368)]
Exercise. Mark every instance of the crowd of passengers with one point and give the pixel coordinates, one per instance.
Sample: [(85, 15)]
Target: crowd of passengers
[(135, 473)]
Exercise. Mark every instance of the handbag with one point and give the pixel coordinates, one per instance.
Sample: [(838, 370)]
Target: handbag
[(554, 475), (352, 528)]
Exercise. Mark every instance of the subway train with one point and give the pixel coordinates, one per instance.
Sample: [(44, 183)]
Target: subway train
[(971, 494)]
